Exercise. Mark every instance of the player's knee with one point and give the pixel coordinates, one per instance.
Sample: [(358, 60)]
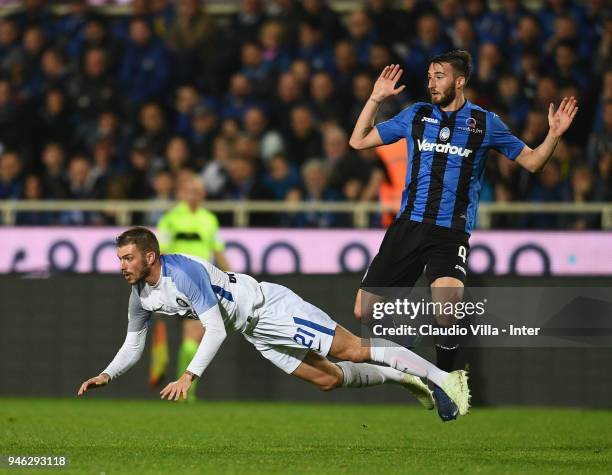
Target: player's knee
[(356, 354), (445, 320), (328, 382), (358, 312), (361, 355), (358, 307), (447, 289)]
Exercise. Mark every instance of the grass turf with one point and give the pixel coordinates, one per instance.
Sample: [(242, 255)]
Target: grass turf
[(208, 437)]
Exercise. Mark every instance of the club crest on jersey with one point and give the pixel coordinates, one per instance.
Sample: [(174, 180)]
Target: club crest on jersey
[(444, 134), (181, 302)]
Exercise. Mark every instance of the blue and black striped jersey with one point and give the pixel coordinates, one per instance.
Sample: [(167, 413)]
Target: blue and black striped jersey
[(446, 158)]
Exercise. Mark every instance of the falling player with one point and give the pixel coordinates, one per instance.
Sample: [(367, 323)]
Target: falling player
[(290, 332)]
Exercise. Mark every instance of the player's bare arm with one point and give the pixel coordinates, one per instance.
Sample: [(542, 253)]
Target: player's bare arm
[(365, 134), (559, 121)]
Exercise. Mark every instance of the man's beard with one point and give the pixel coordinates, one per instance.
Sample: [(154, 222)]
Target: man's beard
[(445, 97), (144, 273)]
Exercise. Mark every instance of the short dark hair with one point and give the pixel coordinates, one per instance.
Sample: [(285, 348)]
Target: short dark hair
[(144, 239), (460, 60)]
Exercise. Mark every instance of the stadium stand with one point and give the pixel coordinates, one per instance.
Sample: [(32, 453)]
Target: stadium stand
[(100, 105)]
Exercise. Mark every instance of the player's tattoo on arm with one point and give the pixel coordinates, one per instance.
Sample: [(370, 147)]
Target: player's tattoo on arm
[(366, 131)]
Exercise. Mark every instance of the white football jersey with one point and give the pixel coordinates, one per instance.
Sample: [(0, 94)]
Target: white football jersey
[(189, 286)]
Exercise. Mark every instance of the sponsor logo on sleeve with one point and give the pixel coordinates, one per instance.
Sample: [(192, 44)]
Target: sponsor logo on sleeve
[(471, 126)]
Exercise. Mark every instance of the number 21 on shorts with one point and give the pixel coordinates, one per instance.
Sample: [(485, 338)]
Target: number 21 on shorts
[(311, 336), (304, 337)]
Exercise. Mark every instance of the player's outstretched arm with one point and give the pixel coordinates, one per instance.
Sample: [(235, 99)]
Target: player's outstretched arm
[(214, 335), (559, 121), (127, 356), (365, 134)]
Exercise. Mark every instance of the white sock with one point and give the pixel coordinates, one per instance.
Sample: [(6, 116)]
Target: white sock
[(398, 357), (361, 375)]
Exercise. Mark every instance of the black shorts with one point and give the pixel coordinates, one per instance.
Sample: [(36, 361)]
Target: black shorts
[(409, 247)]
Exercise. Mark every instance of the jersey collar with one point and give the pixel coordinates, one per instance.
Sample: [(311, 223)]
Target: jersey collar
[(448, 115)]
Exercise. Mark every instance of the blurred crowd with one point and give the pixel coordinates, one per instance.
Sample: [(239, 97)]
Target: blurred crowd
[(260, 103)]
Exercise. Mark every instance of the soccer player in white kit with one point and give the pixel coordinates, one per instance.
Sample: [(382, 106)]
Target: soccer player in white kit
[(293, 334)]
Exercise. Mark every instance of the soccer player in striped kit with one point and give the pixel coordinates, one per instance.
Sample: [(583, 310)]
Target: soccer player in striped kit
[(448, 140)]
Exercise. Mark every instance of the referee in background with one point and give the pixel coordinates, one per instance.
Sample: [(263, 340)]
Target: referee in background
[(187, 228)]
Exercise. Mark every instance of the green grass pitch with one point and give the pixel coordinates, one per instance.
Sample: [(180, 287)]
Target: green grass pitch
[(116, 437)]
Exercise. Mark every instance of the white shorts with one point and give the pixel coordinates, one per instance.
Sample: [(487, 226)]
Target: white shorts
[(288, 328)]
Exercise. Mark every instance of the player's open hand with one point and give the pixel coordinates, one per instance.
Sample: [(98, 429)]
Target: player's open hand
[(385, 84), (560, 120), (177, 389), (92, 383)]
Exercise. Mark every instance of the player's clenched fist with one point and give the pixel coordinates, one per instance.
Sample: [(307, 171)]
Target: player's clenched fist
[(92, 383)]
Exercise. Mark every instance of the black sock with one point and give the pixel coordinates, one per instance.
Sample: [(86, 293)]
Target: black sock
[(445, 357), (447, 347)]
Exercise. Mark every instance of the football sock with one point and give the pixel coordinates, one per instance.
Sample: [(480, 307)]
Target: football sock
[(187, 351), (445, 356), (447, 346), (361, 375), (398, 357)]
